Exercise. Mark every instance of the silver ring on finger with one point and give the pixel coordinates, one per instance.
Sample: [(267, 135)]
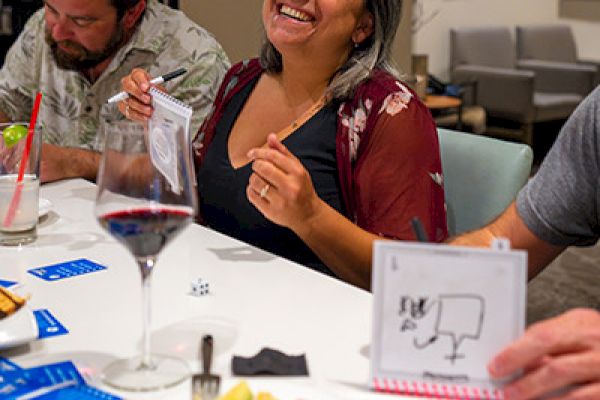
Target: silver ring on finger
[(264, 191)]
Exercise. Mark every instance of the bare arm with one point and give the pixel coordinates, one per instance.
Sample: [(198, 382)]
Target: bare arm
[(4, 117), (511, 226), (66, 162), (291, 201), (343, 246)]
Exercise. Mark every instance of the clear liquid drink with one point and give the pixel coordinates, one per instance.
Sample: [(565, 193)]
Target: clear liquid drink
[(26, 215), (19, 227)]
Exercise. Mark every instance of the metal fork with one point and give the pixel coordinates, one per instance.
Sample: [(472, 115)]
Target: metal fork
[(205, 386)]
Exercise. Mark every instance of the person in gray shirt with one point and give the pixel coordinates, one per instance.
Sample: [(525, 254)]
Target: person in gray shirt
[(558, 208)]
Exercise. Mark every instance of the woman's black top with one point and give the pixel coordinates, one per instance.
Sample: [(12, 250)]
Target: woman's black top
[(222, 188)]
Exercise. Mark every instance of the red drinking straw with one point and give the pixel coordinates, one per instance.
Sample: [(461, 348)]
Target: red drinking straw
[(16, 198)]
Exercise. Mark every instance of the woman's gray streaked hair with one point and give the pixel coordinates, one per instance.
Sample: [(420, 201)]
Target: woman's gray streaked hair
[(374, 52)]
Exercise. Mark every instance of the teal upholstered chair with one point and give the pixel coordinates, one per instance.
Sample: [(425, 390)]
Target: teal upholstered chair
[(482, 176)]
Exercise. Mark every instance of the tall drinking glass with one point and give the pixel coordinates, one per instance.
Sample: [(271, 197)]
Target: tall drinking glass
[(145, 198), (19, 199)]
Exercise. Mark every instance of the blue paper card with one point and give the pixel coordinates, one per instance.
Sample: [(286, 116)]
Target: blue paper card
[(7, 365), (81, 392), (67, 269), (7, 284), (52, 374), (18, 383), (48, 325)]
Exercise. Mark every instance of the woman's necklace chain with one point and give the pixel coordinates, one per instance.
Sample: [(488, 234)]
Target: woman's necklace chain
[(310, 112)]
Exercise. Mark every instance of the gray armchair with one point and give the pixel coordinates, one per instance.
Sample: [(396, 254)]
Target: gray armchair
[(550, 51), (488, 56)]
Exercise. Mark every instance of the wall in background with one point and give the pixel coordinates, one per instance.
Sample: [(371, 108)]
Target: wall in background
[(436, 17), (403, 44), (235, 23), (237, 26), (586, 37), (588, 10)]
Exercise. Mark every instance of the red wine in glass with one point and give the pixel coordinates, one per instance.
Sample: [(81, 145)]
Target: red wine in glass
[(145, 231)]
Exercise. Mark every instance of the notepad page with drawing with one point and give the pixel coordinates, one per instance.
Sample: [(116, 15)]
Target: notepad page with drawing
[(440, 313), (169, 131)]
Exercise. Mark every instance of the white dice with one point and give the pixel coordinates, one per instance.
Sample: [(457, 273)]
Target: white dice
[(199, 288)]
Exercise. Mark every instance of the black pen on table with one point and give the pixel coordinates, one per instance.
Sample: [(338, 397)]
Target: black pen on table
[(418, 229), (156, 81)]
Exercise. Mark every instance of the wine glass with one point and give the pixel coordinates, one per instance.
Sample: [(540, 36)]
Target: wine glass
[(146, 197)]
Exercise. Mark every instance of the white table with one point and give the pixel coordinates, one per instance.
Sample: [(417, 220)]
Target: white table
[(257, 300)]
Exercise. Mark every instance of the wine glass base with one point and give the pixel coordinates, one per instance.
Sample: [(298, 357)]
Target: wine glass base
[(131, 375)]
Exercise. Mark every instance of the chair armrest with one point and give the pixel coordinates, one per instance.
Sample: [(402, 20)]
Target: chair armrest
[(560, 77), (503, 92), (593, 63)]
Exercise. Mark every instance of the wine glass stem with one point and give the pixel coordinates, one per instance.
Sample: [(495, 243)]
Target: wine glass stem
[(146, 266)]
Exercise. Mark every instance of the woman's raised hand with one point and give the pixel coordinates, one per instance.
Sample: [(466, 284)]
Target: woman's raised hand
[(138, 106), (280, 187)]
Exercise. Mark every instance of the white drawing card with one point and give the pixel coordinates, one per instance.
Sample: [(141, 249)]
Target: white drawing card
[(442, 312)]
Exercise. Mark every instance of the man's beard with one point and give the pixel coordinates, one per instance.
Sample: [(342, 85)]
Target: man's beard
[(81, 58)]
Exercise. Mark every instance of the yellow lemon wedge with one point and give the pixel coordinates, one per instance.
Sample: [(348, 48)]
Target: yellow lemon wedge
[(241, 391), (13, 134), (265, 396)]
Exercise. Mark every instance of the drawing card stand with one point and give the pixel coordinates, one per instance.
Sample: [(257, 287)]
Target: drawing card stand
[(440, 315)]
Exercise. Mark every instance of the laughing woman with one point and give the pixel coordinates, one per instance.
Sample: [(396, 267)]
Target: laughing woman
[(316, 149)]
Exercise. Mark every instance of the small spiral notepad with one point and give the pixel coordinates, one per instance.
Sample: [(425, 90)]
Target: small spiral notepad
[(168, 129), (440, 315)]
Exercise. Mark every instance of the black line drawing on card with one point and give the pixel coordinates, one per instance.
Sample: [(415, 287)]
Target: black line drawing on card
[(471, 306), (413, 309)]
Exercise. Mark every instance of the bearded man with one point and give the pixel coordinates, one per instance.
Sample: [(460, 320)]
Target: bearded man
[(77, 51)]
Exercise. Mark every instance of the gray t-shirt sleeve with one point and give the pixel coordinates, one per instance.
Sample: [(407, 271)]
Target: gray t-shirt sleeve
[(560, 204)]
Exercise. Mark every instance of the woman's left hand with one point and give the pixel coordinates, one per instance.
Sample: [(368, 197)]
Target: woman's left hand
[(280, 187)]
